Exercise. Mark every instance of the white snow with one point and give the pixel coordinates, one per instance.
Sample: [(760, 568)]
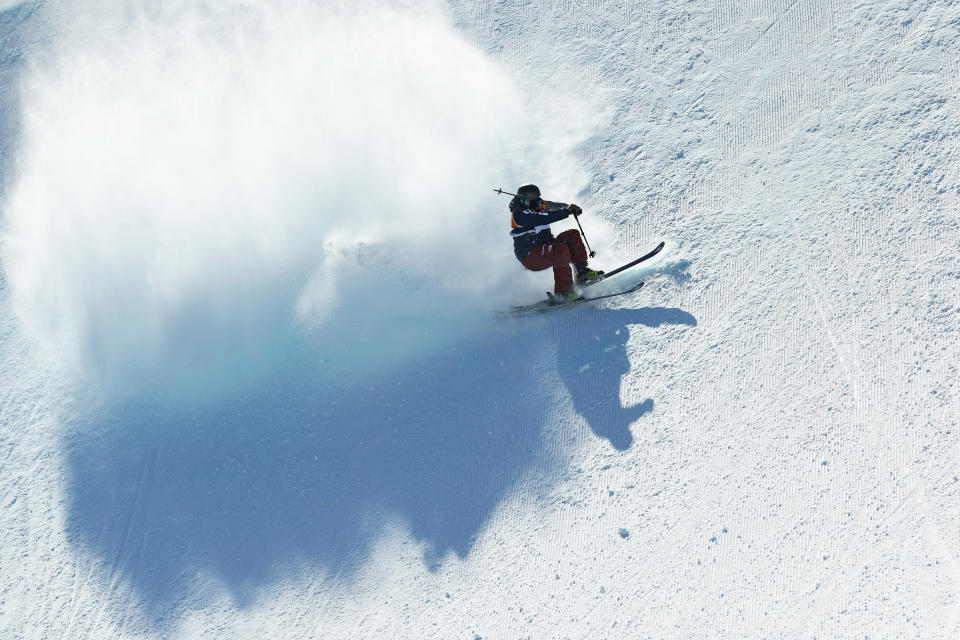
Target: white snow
[(251, 385)]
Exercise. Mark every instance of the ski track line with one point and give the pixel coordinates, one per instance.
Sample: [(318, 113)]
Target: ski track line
[(770, 26), (853, 377), (854, 386)]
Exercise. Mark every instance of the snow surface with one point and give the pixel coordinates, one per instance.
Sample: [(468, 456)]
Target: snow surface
[(252, 386)]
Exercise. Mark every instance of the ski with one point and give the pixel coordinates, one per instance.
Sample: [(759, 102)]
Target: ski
[(549, 305), (655, 251)]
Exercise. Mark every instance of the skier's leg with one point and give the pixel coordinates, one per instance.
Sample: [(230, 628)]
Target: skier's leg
[(571, 238), (556, 255)]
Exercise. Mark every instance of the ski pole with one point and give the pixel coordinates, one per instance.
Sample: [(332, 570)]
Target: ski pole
[(577, 218), (592, 252)]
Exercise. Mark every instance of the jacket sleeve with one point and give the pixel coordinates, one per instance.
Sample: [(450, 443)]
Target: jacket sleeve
[(555, 212), (557, 206)]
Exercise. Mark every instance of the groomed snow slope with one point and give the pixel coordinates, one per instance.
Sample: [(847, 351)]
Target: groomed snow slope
[(251, 386)]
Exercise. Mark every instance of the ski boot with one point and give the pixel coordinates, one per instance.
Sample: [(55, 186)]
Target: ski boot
[(563, 297), (586, 275)]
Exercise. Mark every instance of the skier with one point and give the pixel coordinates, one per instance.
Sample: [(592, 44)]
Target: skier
[(537, 249)]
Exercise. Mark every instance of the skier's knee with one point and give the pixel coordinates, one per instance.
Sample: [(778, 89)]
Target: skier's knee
[(561, 253)]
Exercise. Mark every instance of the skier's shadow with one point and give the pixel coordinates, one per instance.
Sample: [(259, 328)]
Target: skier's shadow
[(310, 470), (592, 358)]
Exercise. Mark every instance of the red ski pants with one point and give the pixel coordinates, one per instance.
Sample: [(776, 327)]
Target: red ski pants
[(566, 248)]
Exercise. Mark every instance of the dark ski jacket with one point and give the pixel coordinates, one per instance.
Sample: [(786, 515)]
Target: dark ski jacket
[(532, 226)]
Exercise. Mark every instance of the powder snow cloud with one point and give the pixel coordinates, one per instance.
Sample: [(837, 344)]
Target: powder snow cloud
[(203, 189)]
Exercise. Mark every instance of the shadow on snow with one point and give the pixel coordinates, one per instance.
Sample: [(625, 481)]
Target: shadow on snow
[(307, 471), (591, 360)]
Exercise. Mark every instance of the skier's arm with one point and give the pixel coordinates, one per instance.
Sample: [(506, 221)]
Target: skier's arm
[(569, 209), (529, 218), (556, 206)]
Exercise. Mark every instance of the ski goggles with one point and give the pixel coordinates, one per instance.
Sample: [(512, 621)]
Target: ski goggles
[(535, 203)]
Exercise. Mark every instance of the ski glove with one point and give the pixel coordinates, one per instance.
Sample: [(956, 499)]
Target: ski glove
[(574, 210)]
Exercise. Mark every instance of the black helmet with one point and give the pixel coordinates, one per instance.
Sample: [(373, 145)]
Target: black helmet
[(528, 194)]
